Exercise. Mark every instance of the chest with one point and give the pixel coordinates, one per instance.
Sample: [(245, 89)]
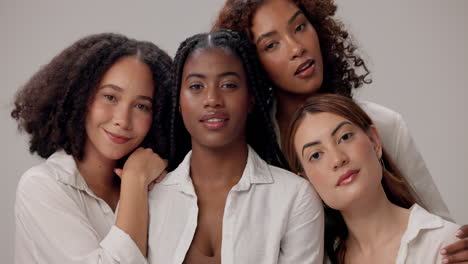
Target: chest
[(245, 227)]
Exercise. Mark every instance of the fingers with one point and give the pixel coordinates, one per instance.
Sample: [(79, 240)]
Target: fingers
[(462, 232), (456, 252)]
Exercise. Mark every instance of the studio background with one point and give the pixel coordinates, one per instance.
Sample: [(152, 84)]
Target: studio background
[(417, 52)]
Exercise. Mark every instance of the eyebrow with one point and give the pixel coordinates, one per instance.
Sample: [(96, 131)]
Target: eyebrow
[(119, 89), (313, 143), (201, 76), (271, 33)]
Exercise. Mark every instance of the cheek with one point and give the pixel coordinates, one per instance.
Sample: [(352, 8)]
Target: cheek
[(142, 123)]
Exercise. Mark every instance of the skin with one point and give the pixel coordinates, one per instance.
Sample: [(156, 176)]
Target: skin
[(285, 40), (328, 147), (122, 106), (291, 40), (214, 81)]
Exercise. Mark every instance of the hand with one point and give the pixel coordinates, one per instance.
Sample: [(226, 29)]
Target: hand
[(458, 251), (146, 165)]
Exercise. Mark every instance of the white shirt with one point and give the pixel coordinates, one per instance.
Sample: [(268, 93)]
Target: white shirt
[(399, 144), (425, 235), (59, 219), (270, 216)]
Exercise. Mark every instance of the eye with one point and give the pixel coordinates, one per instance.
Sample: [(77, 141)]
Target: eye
[(299, 27), (195, 87), (315, 156), (110, 97), (270, 46), (229, 85), (347, 136), (143, 107)]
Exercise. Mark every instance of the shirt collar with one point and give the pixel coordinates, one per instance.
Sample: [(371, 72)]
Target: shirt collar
[(66, 170), (256, 171), (420, 220)]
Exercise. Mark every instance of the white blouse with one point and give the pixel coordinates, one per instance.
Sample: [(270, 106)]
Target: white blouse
[(60, 220), (270, 216), (399, 144), (425, 236)]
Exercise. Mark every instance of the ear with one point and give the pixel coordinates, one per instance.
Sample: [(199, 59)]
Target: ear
[(374, 137)]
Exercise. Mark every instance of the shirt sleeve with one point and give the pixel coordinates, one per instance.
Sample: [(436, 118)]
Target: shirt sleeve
[(410, 162), (52, 228), (303, 238)]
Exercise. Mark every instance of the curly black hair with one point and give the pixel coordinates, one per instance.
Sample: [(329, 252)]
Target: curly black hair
[(52, 106), (260, 132), (344, 70)]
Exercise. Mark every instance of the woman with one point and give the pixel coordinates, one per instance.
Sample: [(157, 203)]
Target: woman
[(371, 213), (224, 203), (305, 51), (86, 111)]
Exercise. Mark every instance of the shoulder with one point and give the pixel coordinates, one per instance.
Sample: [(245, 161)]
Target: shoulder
[(45, 181), (379, 113), (429, 230)]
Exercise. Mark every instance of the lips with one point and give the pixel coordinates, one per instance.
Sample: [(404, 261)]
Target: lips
[(347, 178), (305, 69), (118, 139), (214, 121)]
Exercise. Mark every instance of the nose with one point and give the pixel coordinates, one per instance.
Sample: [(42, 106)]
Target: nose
[(339, 159), (122, 117), (296, 49), (213, 97)]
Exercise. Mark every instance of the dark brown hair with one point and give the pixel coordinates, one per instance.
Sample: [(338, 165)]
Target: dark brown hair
[(52, 106), (343, 68), (397, 190)]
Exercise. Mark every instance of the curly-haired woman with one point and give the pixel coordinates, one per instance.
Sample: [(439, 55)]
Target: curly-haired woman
[(306, 50), (94, 113)]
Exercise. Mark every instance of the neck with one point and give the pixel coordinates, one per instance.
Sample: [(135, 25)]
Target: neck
[(97, 171), (287, 105), (374, 223), (218, 167)]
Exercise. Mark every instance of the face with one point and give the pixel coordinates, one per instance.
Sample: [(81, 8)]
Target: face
[(120, 113), (214, 98), (288, 47), (339, 158)]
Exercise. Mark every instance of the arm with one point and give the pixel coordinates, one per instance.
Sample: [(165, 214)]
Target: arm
[(52, 228), (140, 170), (303, 238)]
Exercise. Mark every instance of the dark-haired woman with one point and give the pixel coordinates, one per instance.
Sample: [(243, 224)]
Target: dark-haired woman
[(371, 214), (305, 50), (226, 202), (92, 109)]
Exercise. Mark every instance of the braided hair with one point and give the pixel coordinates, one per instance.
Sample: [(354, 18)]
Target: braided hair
[(259, 129), (52, 106)]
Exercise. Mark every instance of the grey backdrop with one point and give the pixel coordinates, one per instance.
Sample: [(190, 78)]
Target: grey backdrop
[(417, 51)]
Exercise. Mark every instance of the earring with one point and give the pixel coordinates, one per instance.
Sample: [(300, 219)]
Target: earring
[(382, 163)]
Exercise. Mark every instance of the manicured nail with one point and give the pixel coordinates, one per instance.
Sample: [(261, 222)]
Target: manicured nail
[(445, 260), (459, 233), (443, 251)]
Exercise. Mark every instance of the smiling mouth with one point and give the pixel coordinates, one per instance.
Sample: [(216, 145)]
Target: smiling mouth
[(116, 138), (305, 68)]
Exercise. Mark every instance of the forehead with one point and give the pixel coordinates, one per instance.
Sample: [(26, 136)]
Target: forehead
[(272, 14), (213, 61), (129, 73), (316, 126)]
